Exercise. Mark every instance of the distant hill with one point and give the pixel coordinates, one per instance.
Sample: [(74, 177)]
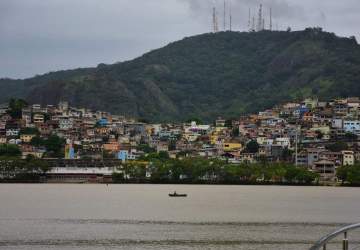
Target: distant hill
[(205, 76)]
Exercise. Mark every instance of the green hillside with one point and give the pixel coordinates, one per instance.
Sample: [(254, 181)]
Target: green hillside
[(223, 74)]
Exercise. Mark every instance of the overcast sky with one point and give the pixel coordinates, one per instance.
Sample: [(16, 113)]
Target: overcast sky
[(38, 36)]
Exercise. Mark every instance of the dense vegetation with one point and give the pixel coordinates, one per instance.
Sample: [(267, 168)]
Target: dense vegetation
[(9, 150), (54, 145), (15, 107), (349, 175), (227, 74), (201, 170), (15, 169), (22, 170)]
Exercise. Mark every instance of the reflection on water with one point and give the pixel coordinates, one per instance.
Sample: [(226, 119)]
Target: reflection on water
[(143, 217)]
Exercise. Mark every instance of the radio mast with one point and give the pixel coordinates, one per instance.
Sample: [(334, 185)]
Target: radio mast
[(224, 15), (215, 21), (230, 16), (270, 25), (260, 19)]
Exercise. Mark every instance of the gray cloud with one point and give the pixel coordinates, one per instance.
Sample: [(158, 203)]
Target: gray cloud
[(38, 36)]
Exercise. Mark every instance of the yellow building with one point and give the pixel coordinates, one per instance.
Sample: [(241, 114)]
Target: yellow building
[(323, 129), (215, 134), (231, 146), (26, 138), (213, 139)]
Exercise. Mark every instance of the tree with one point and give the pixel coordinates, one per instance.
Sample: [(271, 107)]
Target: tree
[(252, 147), (351, 136), (108, 154), (28, 170), (354, 175), (319, 134), (306, 177), (236, 132), (35, 165), (9, 150), (54, 145), (37, 141), (164, 155), (172, 145), (286, 154), (350, 174), (145, 148), (337, 146), (15, 107), (228, 123), (29, 131), (118, 177), (342, 173)]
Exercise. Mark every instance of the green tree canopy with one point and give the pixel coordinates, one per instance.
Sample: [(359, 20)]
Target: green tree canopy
[(29, 131), (252, 146), (9, 150), (15, 107), (338, 146)]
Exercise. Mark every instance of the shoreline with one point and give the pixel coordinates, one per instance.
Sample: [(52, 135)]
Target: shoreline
[(185, 183)]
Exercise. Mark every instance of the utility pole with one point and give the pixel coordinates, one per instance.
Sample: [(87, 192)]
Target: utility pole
[(296, 144)]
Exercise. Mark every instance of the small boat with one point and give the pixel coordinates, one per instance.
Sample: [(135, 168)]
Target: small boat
[(177, 195)]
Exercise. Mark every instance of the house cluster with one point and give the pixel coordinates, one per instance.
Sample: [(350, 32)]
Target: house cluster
[(302, 133)]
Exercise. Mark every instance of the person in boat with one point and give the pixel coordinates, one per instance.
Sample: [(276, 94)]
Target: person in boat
[(175, 193)]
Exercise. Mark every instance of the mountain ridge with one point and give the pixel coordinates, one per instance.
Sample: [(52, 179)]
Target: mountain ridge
[(223, 74)]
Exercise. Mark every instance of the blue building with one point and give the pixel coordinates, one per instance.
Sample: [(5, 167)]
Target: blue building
[(123, 155), (103, 122)]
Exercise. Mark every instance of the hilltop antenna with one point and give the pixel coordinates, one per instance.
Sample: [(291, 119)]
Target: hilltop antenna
[(253, 23), (230, 25), (224, 15), (260, 19), (215, 21), (270, 25), (249, 20), (263, 24)]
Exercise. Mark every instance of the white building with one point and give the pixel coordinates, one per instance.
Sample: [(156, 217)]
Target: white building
[(348, 158), (352, 127), (65, 123), (283, 142), (12, 132)]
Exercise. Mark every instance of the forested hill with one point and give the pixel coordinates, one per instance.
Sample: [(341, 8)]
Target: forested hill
[(223, 74)]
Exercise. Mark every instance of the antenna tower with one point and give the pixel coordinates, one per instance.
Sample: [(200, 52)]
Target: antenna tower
[(253, 24), (230, 16), (249, 20), (224, 15), (263, 24), (260, 20), (270, 25), (215, 21)]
